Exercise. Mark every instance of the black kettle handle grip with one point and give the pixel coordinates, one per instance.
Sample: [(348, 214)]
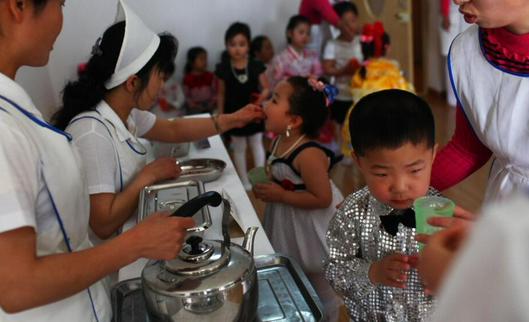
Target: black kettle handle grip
[(211, 198)]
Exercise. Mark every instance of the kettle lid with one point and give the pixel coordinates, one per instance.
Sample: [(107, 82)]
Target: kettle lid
[(199, 258)]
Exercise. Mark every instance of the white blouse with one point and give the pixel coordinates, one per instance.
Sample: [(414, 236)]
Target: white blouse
[(42, 182), (111, 152)]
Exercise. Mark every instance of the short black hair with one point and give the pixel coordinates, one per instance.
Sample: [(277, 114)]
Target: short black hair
[(238, 28), (369, 48), (309, 104), (293, 22), (389, 119), (342, 7)]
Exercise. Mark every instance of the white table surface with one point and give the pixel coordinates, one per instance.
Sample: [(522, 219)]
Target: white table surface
[(229, 183)]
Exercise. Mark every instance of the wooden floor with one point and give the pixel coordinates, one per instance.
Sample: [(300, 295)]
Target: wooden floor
[(468, 194)]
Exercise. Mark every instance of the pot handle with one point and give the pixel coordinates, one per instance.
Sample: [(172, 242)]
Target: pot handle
[(211, 198)]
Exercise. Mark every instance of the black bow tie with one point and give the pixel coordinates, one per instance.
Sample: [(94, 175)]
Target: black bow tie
[(390, 222)]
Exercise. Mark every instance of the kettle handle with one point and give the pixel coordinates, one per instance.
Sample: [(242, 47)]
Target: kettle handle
[(211, 198)]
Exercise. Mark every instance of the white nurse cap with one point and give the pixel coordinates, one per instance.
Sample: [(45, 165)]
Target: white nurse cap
[(139, 45)]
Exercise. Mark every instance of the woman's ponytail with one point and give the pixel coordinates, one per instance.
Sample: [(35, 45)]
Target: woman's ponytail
[(85, 93)]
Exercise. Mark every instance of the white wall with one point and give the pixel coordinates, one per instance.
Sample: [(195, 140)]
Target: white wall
[(36, 81), (196, 22), (434, 60)]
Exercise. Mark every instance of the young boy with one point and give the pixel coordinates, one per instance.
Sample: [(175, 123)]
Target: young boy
[(341, 58), (372, 236)]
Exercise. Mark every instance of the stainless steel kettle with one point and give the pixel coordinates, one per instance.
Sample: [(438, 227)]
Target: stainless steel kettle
[(210, 280)]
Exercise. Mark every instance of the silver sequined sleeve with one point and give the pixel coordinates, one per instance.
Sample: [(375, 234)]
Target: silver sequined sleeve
[(347, 273)]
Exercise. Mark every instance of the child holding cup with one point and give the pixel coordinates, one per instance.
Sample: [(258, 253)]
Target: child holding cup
[(371, 238)]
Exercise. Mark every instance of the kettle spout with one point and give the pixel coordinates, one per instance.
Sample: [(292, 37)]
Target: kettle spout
[(249, 239)]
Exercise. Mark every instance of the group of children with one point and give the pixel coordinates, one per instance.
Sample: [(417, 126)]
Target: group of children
[(301, 199), (370, 252), (249, 68), (365, 251)]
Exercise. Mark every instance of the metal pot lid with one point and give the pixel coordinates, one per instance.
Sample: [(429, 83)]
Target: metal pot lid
[(199, 258), (225, 267)]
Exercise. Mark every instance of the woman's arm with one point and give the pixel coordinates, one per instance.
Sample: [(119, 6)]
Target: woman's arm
[(28, 281), (192, 129), (109, 211), (313, 166), (461, 157)]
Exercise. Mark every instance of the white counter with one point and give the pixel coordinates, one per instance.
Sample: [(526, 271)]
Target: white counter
[(229, 183)]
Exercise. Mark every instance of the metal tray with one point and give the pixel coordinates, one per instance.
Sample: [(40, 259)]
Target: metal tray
[(169, 197), (204, 170), (285, 294)]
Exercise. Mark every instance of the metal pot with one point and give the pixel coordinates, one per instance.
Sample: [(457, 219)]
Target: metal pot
[(210, 280)]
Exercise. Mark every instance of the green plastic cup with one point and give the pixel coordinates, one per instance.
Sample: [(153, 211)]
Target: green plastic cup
[(431, 206), (258, 175)]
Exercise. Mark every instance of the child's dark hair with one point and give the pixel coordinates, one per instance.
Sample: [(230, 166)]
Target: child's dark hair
[(369, 48), (388, 119), (257, 44), (192, 55), (368, 51), (342, 7), (309, 104), (293, 22), (86, 92), (236, 28)]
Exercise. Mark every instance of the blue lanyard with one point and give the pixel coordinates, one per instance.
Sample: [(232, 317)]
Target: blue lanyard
[(55, 210), (36, 119), (108, 130)]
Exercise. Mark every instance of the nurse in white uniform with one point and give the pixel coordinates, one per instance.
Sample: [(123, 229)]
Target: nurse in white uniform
[(107, 110), (49, 270)]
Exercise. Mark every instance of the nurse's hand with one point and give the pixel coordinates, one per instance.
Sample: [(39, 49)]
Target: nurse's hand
[(251, 113), (161, 236), (160, 169), (437, 256), (461, 217)]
